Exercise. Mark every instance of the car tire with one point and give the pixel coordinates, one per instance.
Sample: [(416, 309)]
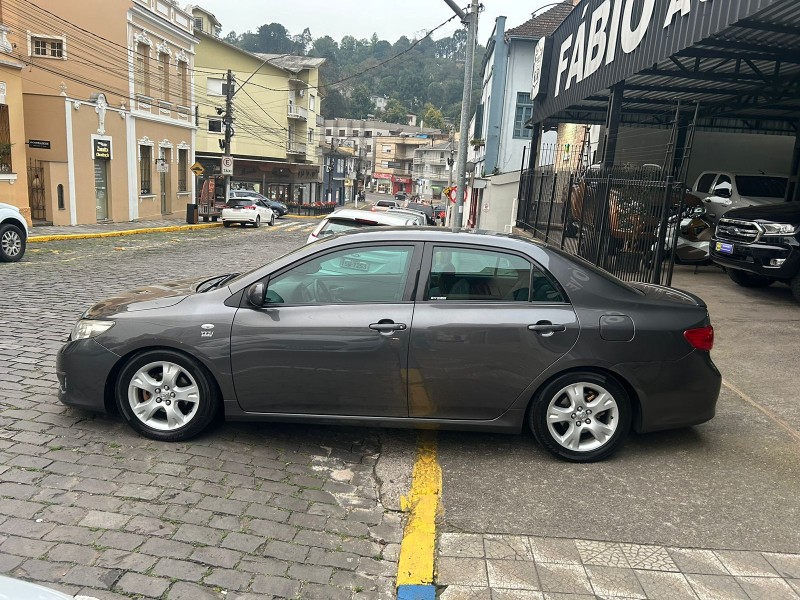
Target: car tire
[(581, 394), (12, 243), (226, 223), (749, 280), (272, 220), (143, 377), (257, 224)]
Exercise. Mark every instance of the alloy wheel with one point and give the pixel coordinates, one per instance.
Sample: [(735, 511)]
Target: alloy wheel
[(582, 417), (11, 242), (163, 395)]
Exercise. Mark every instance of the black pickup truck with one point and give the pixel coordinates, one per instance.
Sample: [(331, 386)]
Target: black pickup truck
[(759, 245)]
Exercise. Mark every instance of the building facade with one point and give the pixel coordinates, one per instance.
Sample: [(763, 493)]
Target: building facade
[(432, 169), (107, 95), (275, 106), (14, 184), (393, 162)]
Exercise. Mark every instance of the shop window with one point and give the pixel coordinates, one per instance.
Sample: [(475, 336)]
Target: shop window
[(145, 170), (60, 195), (183, 168), (522, 115)]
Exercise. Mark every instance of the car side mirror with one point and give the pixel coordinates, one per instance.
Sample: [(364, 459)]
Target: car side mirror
[(255, 294), (723, 192)]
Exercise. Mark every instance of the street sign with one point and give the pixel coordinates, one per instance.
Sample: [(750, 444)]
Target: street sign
[(43, 144), (197, 169), (227, 165)]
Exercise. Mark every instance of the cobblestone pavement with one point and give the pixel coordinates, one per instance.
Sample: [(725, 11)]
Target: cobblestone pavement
[(516, 567), (245, 511)]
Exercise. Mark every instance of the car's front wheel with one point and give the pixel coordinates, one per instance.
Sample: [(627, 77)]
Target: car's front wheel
[(272, 220), (258, 221), (581, 416), (747, 279), (12, 243), (166, 395)]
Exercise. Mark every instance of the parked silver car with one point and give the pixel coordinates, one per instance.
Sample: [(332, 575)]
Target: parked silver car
[(348, 219), (403, 327)]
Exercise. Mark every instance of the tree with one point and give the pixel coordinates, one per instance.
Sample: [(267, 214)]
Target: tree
[(395, 112), (360, 103), (432, 116)]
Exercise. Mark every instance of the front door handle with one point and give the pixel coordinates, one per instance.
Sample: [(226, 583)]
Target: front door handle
[(387, 326), (546, 327)]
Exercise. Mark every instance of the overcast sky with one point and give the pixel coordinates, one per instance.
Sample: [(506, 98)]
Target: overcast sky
[(362, 18)]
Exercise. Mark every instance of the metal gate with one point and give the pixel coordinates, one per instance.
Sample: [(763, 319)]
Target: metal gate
[(36, 190), (617, 219)]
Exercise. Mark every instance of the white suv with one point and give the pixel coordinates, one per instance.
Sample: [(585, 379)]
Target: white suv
[(13, 233)]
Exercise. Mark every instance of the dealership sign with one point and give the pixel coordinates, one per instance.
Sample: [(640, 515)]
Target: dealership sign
[(602, 42)]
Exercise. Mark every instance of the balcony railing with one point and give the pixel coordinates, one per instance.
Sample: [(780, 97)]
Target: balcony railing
[(295, 147), (297, 112)]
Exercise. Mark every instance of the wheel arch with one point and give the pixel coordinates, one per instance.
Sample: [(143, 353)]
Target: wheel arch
[(636, 417), (23, 229), (109, 392)]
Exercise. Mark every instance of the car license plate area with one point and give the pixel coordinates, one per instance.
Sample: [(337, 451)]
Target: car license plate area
[(357, 265), (724, 248)]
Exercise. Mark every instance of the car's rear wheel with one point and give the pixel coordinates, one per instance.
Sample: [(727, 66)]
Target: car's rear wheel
[(12, 243), (272, 220), (581, 416), (258, 221), (226, 223), (751, 280), (165, 395)]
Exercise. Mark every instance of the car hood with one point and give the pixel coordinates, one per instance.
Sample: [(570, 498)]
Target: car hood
[(145, 298), (760, 200), (781, 212)]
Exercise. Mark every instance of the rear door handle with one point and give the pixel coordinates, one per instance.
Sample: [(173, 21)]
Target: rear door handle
[(387, 327), (547, 327)]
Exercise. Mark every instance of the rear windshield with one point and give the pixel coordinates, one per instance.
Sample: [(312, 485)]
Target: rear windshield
[(760, 186), (334, 226), (386, 203), (239, 202), (426, 208)]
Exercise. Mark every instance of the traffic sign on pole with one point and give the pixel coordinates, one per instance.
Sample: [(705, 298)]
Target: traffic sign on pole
[(227, 165), (197, 169)]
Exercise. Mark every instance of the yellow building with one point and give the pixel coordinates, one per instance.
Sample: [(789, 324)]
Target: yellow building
[(275, 105), (108, 107)]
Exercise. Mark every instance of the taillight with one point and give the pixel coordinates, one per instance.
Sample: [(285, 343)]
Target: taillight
[(251, 207), (701, 338), (372, 209)]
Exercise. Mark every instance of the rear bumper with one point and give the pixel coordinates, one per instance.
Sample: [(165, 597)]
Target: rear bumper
[(83, 368), (755, 258), (679, 394)]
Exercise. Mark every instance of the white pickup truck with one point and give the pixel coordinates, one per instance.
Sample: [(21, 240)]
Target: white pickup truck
[(722, 191)]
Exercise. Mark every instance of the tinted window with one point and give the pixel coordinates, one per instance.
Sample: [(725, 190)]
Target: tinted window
[(334, 226), (239, 202), (759, 186), (386, 203), (366, 274), (704, 184), (487, 276)]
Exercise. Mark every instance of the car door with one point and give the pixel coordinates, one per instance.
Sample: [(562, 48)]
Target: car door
[(332, 338), (264, 210), (719, 202), (486, 324)]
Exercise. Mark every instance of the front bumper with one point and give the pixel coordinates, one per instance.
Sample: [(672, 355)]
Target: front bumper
[(83, 368), (755, 257)]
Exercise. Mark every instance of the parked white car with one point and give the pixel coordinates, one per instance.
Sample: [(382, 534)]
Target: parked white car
[(247, 211), (722, 191), (348, 219), (13, 233)]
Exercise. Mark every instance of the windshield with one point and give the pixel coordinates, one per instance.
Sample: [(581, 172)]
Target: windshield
[(761, 186), (240, 203), (334, 226)]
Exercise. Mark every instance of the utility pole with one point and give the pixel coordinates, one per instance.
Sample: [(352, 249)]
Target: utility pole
[(228, 127), (471, 20), (450, 160), (331, 163)]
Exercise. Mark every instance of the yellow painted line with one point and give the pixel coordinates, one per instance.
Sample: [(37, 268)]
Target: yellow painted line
[(418, 548), (107, 234), (764, 410)]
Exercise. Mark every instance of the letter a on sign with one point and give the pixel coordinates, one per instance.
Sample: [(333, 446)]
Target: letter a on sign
[(675, 6)]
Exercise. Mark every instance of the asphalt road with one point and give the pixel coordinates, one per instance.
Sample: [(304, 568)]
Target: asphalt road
[(727, 484)]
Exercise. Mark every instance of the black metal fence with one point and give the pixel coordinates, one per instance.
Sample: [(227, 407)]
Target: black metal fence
[(616, 219)]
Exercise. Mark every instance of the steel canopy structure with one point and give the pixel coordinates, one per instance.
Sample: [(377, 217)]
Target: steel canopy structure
[(739, 59)]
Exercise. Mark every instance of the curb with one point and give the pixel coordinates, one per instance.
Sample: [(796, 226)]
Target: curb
[(85, 236)]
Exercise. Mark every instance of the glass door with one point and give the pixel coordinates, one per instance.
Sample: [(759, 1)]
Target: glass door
[(101, 188)]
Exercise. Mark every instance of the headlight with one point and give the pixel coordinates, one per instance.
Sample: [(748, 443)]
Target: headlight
[(87, 328), (778, 228)]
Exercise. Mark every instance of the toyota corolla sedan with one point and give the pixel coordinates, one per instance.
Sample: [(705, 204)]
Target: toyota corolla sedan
[(403, 327)]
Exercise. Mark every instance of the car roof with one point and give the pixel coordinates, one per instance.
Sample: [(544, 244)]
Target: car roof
[(384, 218), (437, 234)]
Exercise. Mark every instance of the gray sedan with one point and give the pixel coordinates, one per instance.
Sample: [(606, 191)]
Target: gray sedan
[(403, 327)]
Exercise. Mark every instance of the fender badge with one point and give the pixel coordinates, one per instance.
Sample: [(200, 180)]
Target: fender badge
[(206, 330)]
